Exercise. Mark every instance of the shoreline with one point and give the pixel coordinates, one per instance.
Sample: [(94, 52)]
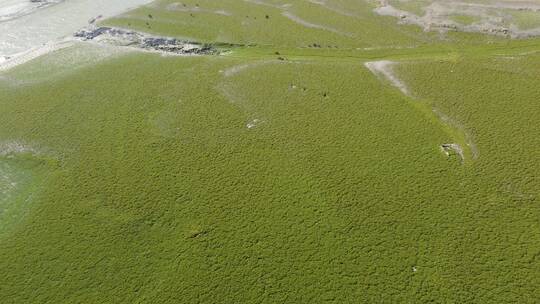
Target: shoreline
[(55, 23)]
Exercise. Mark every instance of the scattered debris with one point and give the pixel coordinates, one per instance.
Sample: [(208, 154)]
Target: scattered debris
[(253, 123), (449, 149), (197, 234), (456, 125)]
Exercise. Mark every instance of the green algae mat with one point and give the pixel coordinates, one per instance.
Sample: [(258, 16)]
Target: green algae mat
[(326, 155)]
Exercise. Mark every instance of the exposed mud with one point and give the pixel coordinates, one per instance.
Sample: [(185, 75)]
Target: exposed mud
[(120, 37), (497, 17)]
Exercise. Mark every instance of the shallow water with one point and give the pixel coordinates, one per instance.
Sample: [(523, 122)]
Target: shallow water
[(12, 9), (25, 25)]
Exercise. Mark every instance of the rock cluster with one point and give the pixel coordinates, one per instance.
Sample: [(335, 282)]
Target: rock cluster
[(143, 41)]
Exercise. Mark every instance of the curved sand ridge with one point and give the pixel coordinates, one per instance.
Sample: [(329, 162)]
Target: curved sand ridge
[(384, 69)]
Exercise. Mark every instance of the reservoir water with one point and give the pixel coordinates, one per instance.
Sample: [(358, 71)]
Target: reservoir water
[(29, 24)]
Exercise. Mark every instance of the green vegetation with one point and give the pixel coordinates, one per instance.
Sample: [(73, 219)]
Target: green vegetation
[(278, 172), (464, 19), (417, 7), (500, 113), (245, 22), (330, 25), (525, 19)]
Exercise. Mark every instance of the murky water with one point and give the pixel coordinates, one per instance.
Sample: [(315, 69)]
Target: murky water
[(12, 9), (26, 24)]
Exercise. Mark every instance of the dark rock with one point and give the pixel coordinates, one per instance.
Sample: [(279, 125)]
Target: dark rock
[(134, 39)]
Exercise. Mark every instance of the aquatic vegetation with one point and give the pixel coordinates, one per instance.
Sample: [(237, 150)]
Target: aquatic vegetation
[(285, 170), (278, 23)]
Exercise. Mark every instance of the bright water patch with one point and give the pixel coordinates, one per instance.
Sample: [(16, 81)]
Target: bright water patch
[(7, 183), (13, 181), (20, 172), (12, 9), (26, 31)]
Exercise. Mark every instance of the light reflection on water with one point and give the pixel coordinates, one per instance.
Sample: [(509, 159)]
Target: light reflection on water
[(30, 26), (12, 9)]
